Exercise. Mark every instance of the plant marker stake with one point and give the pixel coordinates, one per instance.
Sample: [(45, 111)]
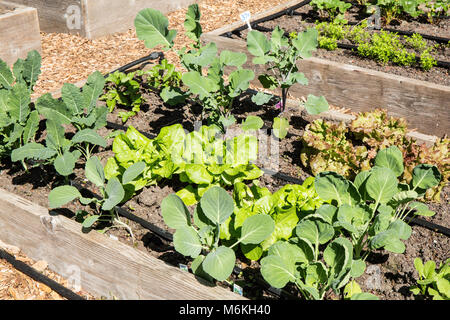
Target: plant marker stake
[(245, 16), (184, 267), (237, 289)]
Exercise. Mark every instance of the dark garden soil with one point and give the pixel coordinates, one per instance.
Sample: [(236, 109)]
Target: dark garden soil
[(306, 18), (388, 275)]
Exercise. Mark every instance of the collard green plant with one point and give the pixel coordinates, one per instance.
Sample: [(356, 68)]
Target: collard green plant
[(78, 109), (205, 78), (123, 90), (297, 261), (201, 239), (201, 159), (372, 209), (112, 192), (432, 282), (18, 122)]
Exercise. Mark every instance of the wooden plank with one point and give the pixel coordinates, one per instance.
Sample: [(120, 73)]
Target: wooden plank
[(100, 265), (103, 17), (19, 32), (425, 105)]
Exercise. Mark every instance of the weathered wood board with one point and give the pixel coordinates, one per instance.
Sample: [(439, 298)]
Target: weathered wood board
[(95, 18), (19, 31), (425, 105), (100, 265)]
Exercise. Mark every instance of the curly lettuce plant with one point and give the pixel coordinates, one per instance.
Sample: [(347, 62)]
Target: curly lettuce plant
[(199, 237), (205, 78)]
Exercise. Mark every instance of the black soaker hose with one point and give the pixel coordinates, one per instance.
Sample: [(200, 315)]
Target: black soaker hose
[(37, 276)]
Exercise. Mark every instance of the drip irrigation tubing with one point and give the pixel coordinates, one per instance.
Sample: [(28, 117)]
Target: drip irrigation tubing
[(152, 56), (37, 276), (439, 63)]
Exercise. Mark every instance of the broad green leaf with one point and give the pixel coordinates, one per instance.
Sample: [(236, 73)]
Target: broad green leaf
[(88, 222), (115, 194), (278, 39), (306, 42), (31, 68), (315, 230), (358, 268), (257, 43), (352, 288), (65, 163), (360, 183), (152, 27), (188, 195), (233, 59), (261, 98), (133, 172), (382, 184), (256, 228), (19, 102), (89, 136), (31, 127), (280, 127), (192, 22), (391, 158), (327, 212), (219, 264), (239, 81), (175, 212), (252, 123), (92, 90), (425, 176), (32, 150), (53, 109), (72, 97), (198, 84), (217, 205), (338, 255), (315, 105), (364, 296), (268, 81), (332, 186), (62, 195), (401, 228), (421, 209), (187, 242), (173, 96), (6, 76), (198, 174), (276, 272), (94, 171)]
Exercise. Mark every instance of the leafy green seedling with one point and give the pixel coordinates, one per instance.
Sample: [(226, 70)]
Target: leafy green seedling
[(201, 239), (112, 193), (433, 282)]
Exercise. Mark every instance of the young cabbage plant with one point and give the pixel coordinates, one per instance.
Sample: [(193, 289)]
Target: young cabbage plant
[(201, 239), (314, 274), (372, 209), (18, 122), (112, 193), (205, 77), (78, 109)]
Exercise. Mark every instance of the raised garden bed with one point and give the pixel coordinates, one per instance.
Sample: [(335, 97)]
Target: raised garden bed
[(349, 84), (144, 216), (19, 27), (95, 18)]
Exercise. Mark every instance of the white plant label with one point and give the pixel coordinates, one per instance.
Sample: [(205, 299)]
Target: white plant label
[(245, 17), (237, 289), (184, 267)]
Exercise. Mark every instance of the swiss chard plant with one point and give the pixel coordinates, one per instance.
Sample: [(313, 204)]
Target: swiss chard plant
[(205, 77), (112, 192), (123, 90), (199, 237), (201, 159), (432, 282), (18, 122), (372, 209), (78, 109)]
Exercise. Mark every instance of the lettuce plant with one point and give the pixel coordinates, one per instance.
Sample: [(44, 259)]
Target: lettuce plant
[(286, 206), (200, 239), (18, 122), (432, 282), (205, 77), (199, 158), (112, 192), (78, 109), (122, 89)]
